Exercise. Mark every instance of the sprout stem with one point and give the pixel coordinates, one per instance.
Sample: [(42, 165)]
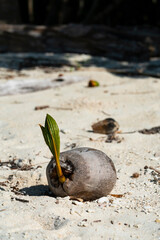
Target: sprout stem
[(61, 177)]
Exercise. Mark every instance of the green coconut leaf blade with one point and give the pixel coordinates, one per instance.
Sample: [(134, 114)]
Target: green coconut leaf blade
[(53, 132), (47, 138), (52, 139)]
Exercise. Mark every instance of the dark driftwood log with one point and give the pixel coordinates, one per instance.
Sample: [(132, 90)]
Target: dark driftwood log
[(119, 44)]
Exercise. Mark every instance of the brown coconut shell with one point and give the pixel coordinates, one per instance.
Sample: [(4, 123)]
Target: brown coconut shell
[(90, 174), (106, 126)]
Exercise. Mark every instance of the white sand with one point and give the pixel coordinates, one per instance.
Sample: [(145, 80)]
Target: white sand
[(135, 104)]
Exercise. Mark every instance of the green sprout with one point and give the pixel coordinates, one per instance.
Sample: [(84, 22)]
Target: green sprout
[(51, 136)]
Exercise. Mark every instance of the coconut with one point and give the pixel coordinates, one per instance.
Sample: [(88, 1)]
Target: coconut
[(89, 174)]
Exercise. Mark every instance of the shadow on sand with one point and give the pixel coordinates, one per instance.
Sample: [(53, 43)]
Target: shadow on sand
[(37, 190)]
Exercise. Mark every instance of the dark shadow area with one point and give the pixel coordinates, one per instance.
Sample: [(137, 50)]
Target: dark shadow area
[(19, 61), (90, 131), (37, 190), (119, 35), (123, 51), (57, 12), (139, 44)]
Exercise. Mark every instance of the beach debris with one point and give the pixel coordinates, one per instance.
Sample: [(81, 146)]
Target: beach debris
[(90, 210), (84, 173), (93, 83), (3, 184), (59, 79), (107, 114), (117, 195), (135, 175), (155, 173), (64, 131), (20, 199), (41, 107), (83, 223), (13, 186), (146, 167), (1, 210), (106, 126), (70, 145), (19, 164), (97, 221), (13, 165), (157, 220), (152, 130), (154, 169), (60, 75), (135, 226), (113, 137)]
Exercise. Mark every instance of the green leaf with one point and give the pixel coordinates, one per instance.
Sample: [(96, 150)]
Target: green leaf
[(53, 133), (47, 138), (52, 139)]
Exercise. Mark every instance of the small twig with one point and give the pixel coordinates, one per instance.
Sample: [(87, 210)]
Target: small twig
[(38, 153), (1, 210), (117, 195), (62, 108), (157, 171), (17, 192), (41, 107), (4, 163), (96, 221), (127, 132), (20, 200), (3, 184), (107, 114)]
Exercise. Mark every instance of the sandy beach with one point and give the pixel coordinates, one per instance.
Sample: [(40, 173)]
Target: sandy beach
[(27, 208)]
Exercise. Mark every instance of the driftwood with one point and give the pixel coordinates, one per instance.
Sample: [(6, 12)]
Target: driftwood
[(125, 44)]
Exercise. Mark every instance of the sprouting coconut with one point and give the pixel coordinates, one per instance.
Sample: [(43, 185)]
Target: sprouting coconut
[(84, 173)]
